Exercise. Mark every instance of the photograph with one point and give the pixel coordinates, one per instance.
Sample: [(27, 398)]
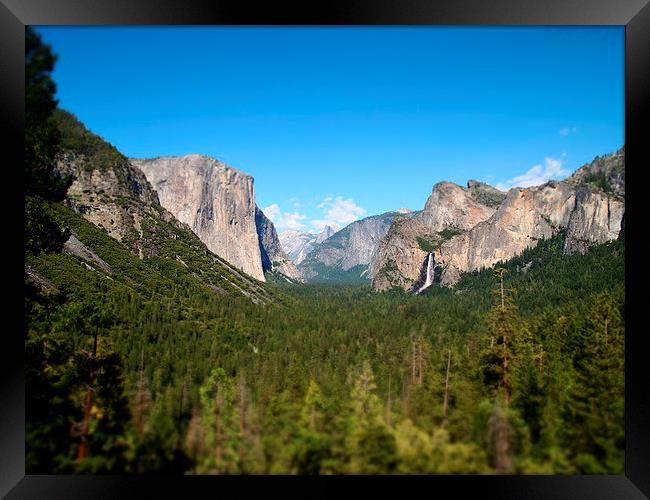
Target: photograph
[(325, 250)]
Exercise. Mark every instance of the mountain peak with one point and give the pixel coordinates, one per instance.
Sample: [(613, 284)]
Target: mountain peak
[(485, 194), (473, 183), (445, 186), (605, 172), (324, 234), (216, 201), (200, 161)]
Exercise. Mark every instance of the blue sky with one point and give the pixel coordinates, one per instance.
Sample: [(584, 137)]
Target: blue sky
[(337, 123)]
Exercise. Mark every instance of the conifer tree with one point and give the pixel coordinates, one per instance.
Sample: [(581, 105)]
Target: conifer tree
[(42, 232), (500, 439), (596, 408), (49, 376), (373, 446), (105, 415), (220, 420), (41, 133), (497, 369), (312, 444)]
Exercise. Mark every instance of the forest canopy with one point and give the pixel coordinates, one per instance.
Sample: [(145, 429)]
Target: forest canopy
[(136, 365)]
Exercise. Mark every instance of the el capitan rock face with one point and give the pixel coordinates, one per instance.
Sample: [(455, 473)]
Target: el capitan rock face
[(108, 191), (579, 205), (274, 257), (216, 201)]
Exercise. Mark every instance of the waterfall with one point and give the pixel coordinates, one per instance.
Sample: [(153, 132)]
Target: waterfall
[(429, 281)]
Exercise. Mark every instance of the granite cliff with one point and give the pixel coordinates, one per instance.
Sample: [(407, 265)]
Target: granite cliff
[(402, 254), (527, 215), (274, 258), (469, 229), (604, 172), (347, 254), (298, 244), (110, 193), (215, 200)]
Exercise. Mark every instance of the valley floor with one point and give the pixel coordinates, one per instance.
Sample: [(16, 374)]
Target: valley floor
[(139, 372)]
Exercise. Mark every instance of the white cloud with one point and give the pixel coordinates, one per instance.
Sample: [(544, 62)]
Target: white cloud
[(536, 175), (339, 211), (326, 200), (567, 131), (284, 220), (295, 202), (291, 220), (272, 211), (336, 212)]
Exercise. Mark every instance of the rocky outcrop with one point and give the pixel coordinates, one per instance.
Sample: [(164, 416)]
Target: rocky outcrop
[(273, 256), (450, 209), (527, 215), (105, 189), (119, 180), (400, 254), (36, 278), (347, 255), (589, 206), (97, 192), (298, 244), (597, 218), (485, 194), (75, 247), (216, 201), (452, 206), (604, 172)]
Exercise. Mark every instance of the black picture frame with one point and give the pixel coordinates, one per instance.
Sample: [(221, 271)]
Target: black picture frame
[(633, 14)]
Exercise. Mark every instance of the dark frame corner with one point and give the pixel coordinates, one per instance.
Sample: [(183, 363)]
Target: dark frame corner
[(633, 14)]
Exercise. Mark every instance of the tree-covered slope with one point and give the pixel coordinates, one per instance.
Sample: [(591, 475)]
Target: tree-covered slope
[(110, 193), (179, 262), (346, 256), (145, 353), (544, 276), (340, 380)]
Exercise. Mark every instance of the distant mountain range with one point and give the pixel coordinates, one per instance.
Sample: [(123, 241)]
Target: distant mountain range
[(467, 229), (346, 255), (460, 228), (298, 244), (118, 215)]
